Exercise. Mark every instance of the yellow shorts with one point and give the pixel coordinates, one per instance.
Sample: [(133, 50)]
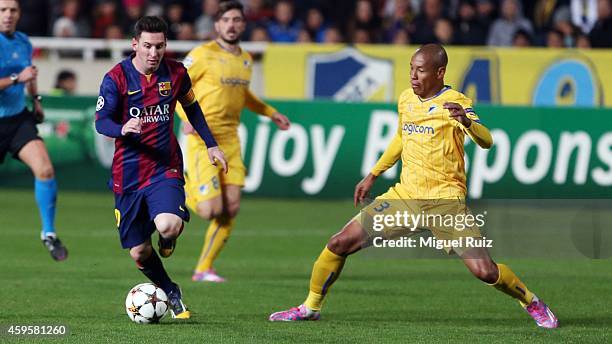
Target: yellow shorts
[(393, 215), (203, 180)]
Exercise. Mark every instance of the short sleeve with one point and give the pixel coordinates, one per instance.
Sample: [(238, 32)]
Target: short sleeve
[(23, 38), (30, 52)]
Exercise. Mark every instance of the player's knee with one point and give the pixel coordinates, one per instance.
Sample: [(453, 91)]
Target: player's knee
[(169, 227), (175, 229), (207, 211), (340, 244), (44, 171)]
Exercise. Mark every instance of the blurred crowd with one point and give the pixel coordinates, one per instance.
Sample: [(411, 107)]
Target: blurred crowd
[(550, 23)]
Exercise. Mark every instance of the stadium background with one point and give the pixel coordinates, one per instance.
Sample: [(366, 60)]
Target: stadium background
[(548, 106)]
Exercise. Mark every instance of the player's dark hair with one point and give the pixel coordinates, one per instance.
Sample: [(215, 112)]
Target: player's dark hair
[(436, 52), (150, 24), (226, 6), (442, 57)]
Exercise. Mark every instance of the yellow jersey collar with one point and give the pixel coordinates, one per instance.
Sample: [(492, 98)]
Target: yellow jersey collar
[(444, 89), (227, 51)]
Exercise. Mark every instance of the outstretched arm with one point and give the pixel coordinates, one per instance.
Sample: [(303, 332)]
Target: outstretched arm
[(480, 134), (391, 155), (258, 106)]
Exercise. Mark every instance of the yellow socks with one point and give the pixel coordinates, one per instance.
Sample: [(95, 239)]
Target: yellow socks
[(324, 273), (216, 236), (508, 283)]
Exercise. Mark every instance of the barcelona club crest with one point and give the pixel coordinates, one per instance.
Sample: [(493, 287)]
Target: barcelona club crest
[(165, 87)]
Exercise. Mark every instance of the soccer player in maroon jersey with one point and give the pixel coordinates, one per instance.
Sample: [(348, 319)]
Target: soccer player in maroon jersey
[(136, 107)]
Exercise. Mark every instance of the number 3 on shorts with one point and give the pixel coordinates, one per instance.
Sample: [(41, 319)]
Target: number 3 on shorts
[(381, 207)]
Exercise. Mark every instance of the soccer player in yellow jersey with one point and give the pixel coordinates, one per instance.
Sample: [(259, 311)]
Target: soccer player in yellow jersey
[(220, 72), (433, 122)]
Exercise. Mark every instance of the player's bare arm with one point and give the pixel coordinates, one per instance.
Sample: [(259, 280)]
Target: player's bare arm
[(26, 75), (39, 113), (32, 86)]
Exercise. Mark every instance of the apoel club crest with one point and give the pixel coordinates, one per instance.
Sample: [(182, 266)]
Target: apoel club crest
[(165, 87)]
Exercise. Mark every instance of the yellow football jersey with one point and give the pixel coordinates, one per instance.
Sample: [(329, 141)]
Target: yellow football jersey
[(430, 144), (221, 81)]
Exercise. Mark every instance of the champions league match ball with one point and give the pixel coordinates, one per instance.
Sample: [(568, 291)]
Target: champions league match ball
[(146, 304)]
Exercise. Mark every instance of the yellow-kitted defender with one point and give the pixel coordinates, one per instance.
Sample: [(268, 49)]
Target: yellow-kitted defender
[(221, 73), (433, 122)]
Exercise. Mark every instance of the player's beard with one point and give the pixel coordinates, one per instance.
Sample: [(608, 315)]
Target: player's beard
[(234, 41), (231, 41)]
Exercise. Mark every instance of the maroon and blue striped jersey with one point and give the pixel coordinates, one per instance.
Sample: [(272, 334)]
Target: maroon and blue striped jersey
[(154, 154)]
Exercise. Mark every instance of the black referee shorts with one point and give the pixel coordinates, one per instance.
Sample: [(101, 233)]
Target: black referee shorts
[(15, 132)]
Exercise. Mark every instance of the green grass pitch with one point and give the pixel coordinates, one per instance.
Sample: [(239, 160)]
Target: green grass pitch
[(268, 261)]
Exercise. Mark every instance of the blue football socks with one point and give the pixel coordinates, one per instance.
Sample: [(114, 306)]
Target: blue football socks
[(45, 192)]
